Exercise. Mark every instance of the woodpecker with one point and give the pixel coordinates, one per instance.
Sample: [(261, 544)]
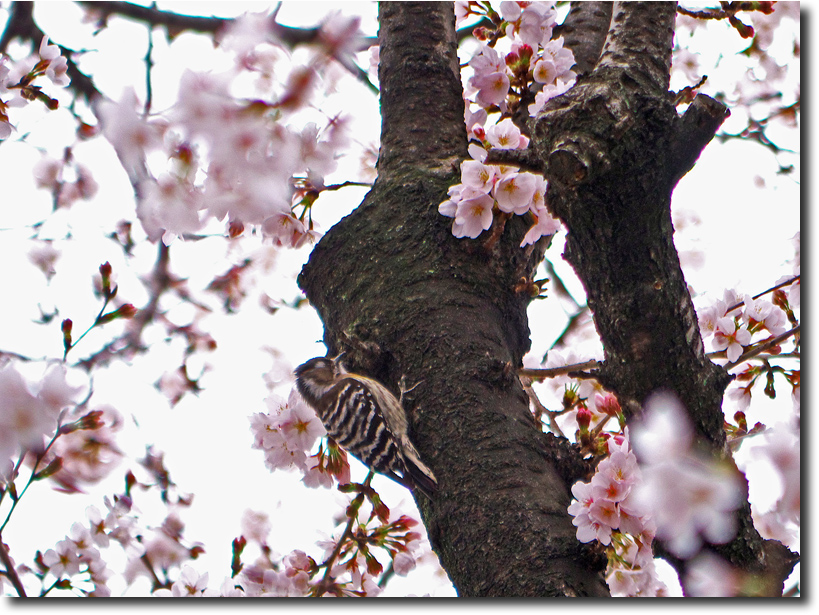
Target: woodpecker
[(365, 419)]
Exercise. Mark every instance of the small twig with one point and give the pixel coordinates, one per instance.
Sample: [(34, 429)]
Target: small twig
[(161, 281), (762, 347), (11, 573), (388, 574), (795, 278), (541, 409), (149, 63), (552, 372), (348, 532)]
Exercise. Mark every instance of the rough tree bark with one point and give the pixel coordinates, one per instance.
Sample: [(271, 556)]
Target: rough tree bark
[(403, 297)]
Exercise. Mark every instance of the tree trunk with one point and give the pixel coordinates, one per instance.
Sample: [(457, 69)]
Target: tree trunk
[(404, 297)]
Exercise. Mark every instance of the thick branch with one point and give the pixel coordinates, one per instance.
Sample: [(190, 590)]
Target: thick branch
[(615, 148), (417, 129), (584, 31), (699, 124), (639, 40)]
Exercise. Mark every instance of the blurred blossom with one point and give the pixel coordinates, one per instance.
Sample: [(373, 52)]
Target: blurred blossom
[(44, 255), (689, 496), (781, 447), (255, 526), (666, 431), (26, 419), (710, 576), (88, 455)]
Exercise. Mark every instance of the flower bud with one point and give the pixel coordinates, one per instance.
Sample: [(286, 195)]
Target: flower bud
[(742, 422)]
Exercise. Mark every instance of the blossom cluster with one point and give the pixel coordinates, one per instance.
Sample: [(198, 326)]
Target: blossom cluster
[(287, 433), (267, 576), (607, 509), (731, 330), (500, 83), (78, 554), (674, 493), (216, 156), (534, 61), (67, 180), (17, 86), (486, 189), (346, 569)]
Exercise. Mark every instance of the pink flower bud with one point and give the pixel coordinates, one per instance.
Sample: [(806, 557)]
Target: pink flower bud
[(584, 417)]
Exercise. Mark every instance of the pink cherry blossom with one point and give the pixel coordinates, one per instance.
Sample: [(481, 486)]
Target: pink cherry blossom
[(64, 560), (510, 11), (710, 576), (48, 52), (588, 529), (461, 11), (26, 419), (300, 426), (709, 316), (492, 88), (477, 175), (189, 585), (473, 216), (756, 309), (777, 321), (665, 432), (403, 563), (536, 21), (544, 225), (506, 135), (727, 337), (614, 477), (689, 497), (515, 191), (549, 91), (255, 526), (448, 208), (130, 134), (561, 58), (487, 61)]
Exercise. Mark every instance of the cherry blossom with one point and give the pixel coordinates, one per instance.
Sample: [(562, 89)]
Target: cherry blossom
[(514, 192), (505, 135), (535, 24), (26, 419), (64, 560), (57, 64), (666, 431), (763, 311), (286, 433), (727, 337), (88, 455), (689, 497), (478, 176), (709, 316), (549, 91), (473, 216), (601, 507), (780, 448), (544, 225), (555, 63), (129, 133), (190, 584), (710, 576), (299, 424)]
